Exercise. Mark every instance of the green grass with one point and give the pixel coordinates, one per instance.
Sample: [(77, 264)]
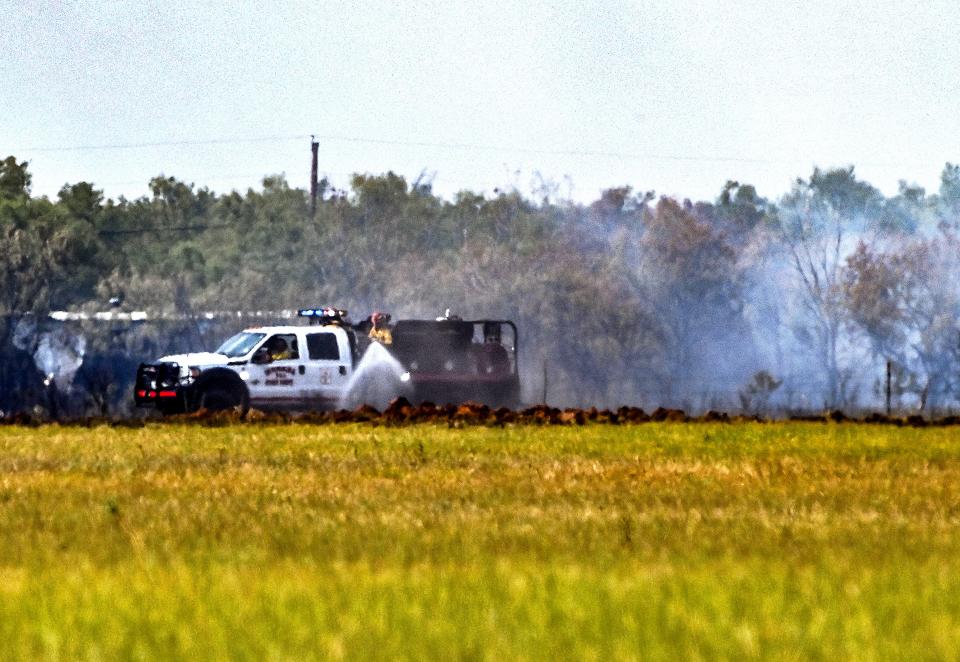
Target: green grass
[(657, 541)]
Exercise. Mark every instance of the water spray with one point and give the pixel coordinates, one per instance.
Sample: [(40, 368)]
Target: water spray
[(378, 379)]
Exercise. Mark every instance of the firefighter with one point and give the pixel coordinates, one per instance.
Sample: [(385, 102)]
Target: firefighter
[(492, 357), (279, 349), (379, 330)]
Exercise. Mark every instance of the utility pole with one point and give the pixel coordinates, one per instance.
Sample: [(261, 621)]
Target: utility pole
[(314, 146)]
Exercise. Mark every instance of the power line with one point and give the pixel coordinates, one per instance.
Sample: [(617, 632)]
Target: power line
[(212, 179), (462, 146), (589, 153), (162, 143), (187, 178), (544, 152)]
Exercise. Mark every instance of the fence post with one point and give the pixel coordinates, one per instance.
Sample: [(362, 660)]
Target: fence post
[(544, 381), (889, 372)]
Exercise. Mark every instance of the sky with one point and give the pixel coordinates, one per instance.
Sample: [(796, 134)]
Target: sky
[(564, 97)]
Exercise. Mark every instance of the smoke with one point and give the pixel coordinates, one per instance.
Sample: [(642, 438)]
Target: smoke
[(57, 353)]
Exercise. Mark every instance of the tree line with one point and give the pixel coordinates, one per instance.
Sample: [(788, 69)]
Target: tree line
[(738, 303)]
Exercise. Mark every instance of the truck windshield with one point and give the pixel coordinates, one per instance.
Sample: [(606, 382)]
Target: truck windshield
[(240, 344)]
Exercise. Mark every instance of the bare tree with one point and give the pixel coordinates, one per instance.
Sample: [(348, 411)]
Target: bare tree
[(816, 222)]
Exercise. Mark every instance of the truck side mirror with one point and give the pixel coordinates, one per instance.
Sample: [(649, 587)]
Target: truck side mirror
[(261, 356)]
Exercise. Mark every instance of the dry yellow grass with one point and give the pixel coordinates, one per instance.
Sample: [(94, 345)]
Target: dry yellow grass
[(652, 541)]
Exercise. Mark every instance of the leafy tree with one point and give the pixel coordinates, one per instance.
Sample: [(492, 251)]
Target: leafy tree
[(14, 179), (907, 304), (903, 213), (949, 195), (691, 277), (739, 209), (875, 293)]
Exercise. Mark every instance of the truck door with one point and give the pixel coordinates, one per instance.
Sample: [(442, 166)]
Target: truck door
[(277, 382), (328, 368)]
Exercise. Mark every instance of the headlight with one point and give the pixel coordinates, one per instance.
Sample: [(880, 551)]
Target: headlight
[(187, 375)]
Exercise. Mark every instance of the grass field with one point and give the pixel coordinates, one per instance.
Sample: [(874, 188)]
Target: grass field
[(655, 541)]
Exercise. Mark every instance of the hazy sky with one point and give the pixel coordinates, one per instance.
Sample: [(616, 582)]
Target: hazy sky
[(671, 96)]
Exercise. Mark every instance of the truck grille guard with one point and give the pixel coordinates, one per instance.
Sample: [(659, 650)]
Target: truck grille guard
[(156, 381)]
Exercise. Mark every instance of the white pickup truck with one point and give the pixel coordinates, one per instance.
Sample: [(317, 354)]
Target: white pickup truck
[(269, 367)]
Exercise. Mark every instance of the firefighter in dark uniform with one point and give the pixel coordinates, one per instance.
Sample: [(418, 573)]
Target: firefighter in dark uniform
[(492, 357)]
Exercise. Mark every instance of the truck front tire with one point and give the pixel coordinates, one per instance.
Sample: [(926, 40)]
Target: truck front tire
[(220, 389), (223, 398)]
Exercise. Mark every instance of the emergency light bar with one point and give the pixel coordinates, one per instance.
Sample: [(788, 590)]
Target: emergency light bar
[(323, 314)]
